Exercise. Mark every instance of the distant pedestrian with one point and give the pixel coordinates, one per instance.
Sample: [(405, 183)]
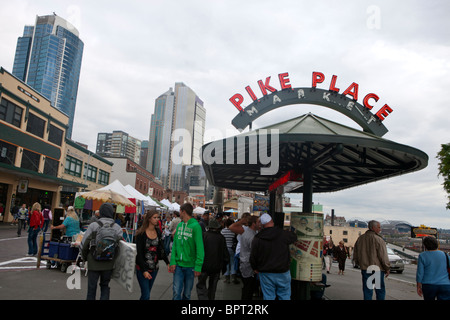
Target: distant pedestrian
[(215, 261), (341, 254), (47, 213), (99, 269), (174, 223), (95, 217), (14, 212), (36, 224), (149, 249), (231, 240), (239, 228), (432, 276), (22, 219), (370, 254), (328, 256), (167, 235), (270, 259), (187, 255), (248, 275)]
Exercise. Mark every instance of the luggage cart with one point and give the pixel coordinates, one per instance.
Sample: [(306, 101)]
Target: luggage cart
[(68, 255)]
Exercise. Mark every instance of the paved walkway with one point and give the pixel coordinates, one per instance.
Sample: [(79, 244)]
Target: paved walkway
[(19, 277)]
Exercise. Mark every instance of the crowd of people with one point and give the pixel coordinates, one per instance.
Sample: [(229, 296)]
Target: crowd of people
[(251, 250)]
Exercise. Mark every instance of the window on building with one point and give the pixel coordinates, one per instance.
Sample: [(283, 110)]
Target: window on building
[(55, 135), (51, 167), (35, 125), (103, 177), (10, 112), (30, 160), (7, 153), (90, 173), (73, 166)]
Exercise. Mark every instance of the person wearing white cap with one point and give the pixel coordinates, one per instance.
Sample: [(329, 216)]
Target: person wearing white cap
[(270, 258)]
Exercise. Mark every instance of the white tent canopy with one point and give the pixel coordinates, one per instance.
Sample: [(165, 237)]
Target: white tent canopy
[(199, 210), (139, 196), (118, 187), (167, 204), (176, 206)]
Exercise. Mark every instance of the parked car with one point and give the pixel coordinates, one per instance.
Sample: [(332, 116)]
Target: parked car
[(395, 261)]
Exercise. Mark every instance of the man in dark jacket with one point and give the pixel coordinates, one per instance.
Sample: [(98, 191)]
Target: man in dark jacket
[(99, 269), (270, 258), (216, 260)]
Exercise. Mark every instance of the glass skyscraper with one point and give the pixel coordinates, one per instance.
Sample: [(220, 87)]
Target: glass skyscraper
[(176, 112), (48, 58)]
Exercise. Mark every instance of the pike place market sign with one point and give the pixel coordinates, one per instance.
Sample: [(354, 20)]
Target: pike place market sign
[(345, 102)]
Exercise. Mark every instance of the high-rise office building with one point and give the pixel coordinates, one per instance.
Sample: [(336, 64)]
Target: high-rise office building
[(176, 135), (118, 144), (48, 58)]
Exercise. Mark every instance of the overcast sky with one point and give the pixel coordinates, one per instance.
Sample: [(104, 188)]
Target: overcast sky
[(136, 50)]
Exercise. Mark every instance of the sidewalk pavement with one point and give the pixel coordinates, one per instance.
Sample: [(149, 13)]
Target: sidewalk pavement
[(29, 283)]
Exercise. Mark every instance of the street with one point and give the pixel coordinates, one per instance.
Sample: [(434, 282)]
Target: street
[(19, 277), (349, 286)]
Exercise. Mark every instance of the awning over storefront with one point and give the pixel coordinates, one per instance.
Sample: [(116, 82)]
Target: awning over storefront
[(338, 157), (25, 173)]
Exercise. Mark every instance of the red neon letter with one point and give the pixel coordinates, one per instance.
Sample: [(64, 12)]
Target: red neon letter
[(251, 93), (264, 86), (317, 77), (384, 112), (236, 100), (284, 81), (354, 93), (366, 100), (333, 83)]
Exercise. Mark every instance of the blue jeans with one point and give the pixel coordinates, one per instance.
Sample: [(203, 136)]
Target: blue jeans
[(167, 240), (380, 291), (231, 265), (275, 285), (435, 291), (46, 223), (145, 284), (32, 241), (183, 281)]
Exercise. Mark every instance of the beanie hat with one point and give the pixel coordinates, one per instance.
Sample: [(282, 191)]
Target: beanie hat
[(265, 218), (214, 224), (106, 210)]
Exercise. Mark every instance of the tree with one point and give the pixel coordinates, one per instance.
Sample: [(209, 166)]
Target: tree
[(444, 168)]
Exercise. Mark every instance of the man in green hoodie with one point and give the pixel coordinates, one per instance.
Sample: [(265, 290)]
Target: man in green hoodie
[(187, 255)]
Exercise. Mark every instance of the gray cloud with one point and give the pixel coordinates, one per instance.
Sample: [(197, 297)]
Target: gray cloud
[(135, 51)]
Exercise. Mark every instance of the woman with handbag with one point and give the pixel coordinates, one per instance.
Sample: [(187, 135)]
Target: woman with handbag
[(432, 276)]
